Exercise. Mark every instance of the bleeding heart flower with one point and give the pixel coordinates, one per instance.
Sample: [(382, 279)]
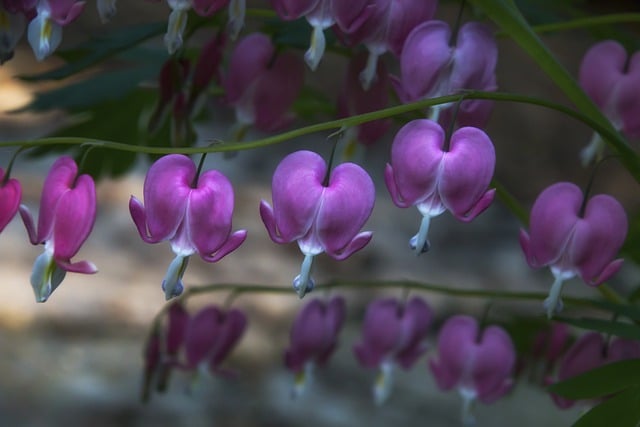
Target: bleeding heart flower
[(10, 196), (45, 30)]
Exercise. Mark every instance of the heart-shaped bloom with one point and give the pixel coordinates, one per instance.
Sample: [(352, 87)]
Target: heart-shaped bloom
[(262, 84), (320, 209), (192, 212), (393, 333), (67, 214), (10, 196), (430, 66), (313, 338), (574, 236), (479, 363), (425, 173), (612, 79), (45, 30), (591, 351)]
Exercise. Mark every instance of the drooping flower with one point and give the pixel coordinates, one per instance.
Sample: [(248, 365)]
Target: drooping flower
[(612, 79), (592, 351), (12, 26), (10, 196), (192, 212), (477, 362), (322, 210), (431, 66), (574, 237), (393, 333), (45, 30), (67, 214), (549, 345), (313, 338), (262, 84), (436, 175)]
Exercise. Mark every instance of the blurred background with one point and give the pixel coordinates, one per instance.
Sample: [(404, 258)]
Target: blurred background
[(77, 359)]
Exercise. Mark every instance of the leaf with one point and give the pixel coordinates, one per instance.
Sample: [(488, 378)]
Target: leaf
[(630, 311), (602, 381), (625, 330), (622, 410)]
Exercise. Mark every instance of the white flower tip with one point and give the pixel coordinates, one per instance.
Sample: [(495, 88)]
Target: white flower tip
[(316, 48)]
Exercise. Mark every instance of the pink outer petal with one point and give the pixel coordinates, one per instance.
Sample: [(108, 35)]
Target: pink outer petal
[(623, 349), (404, 16), (139, 216), (466, 173), (347, 203), (493, 365), (475, 58), (177, 322), (59, 180), (63, 12), (416, 321), (351, 15), (626, 100), (27, 219), (381, 332), (201, 335), (235, 240), (249, 61), (82, 267), (416, 155), (234, 323), (455, 347), (10, 196), (334, 319), (601, 69), (208, 7), (311, 335), (585, 354), (360, 241), (269, 220), (166, 189)]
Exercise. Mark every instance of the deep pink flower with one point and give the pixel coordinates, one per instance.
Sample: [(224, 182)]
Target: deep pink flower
[(592, 351), (478, 363), (393, 333), (262, 84), (550, 344), (45, 30), (313, 338), (10, 196), (192, 212), (426, 174), (574, 237), (207, 68), (612, 79), (67, 214), (430, 67), (322, 210)]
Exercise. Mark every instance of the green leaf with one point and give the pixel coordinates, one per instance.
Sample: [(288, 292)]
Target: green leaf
[(625, 330), (622, 410), (630, 311), (602, 381)]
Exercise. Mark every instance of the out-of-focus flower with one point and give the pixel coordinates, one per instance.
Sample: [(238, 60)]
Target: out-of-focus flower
[(192, 212), (10, 196), (393, 333), (322, 210), (478, 363), (436, 175), (67, 214), (313, 338), (612, 79), (573, 236), (45, 30), (12, 26)]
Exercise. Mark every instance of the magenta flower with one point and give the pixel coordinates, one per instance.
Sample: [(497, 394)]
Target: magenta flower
[(313, 338), (549, 345), (10, 196), (479, 363), (574, 236), (431, 67), (192, 212), (393, 333), (320, 209), (45, 30), (67, 214), (612, 79), (261, 84), (437, 175), (592, 351)]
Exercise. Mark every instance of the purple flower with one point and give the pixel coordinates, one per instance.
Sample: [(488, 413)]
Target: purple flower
[(393, 333), (67, 214), (10, 195), (612, 79), (431, 67), (550, 344), (437, 175), (479, 363), (574, 236), (592, 351), (261, 84), (313, 338), (320, 209), (192, 212), (45, 30)]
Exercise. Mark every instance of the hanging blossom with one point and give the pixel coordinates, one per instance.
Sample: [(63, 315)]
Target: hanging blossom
[(319, 208), (10, 196), (261, 84), (67, 214), (478, 362), (393, 333), (12, 25), (549, 346), (437, 175), (192, 212), (45, 30), (574, 237), (436, 63), (592, 350), (322, 14), (611, 78), (313, 339)]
